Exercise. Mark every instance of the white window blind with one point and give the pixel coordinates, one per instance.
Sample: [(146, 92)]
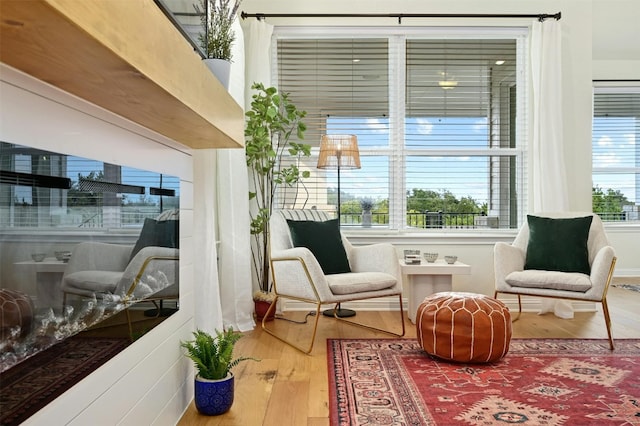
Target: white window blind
[(459, 129), (438, 121), (46, 189), (616, 153)]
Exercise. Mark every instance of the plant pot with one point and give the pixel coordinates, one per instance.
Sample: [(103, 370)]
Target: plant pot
[(366, 219), (221, 68), (214, 397), (261, 308)]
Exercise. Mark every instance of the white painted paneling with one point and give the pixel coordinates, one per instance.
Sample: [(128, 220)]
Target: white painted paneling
[(137, 385)]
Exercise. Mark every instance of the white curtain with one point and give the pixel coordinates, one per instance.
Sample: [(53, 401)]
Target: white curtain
[(208, 311), (233, 214), (257, 43), (550, 191), (549, 182)]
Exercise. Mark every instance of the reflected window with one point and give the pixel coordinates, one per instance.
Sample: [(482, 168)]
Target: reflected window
[(85, 246)]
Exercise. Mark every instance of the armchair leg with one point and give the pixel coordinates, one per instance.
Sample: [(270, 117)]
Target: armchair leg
[(129, 323), (375, 328), (288, 342), (607, 320), (495, 296), (315, 325)]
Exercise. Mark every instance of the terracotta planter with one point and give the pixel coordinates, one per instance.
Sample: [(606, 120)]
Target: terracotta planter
[(261, 308)]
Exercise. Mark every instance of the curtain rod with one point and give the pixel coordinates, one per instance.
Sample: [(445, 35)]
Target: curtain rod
[(261, 16)]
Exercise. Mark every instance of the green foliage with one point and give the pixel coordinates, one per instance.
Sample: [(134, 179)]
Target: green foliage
[(420, 200), (77, 198), (213, 356), (367, 204), (271, 123), (610, 202), (217, 34)]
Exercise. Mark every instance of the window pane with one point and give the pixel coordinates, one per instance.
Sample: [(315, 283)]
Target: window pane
[(441, 119), (616, 154)]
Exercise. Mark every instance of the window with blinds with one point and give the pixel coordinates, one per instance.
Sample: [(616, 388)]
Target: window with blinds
[(435, 121), (616, 153), (40, 189)]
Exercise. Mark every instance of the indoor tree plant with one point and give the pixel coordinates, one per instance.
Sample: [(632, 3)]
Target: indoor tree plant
[(272, 122), (213, 358), (218, 35)]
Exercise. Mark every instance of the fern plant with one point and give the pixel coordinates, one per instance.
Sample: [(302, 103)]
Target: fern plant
[(213, 356)]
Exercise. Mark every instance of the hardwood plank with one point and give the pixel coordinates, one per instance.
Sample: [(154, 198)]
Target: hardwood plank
[(138, 66), (298, 384)]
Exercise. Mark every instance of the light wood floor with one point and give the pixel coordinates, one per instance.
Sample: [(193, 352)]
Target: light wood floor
[(289, 388)]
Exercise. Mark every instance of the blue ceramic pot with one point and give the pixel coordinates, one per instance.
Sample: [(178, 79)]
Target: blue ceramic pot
[(214, 397)]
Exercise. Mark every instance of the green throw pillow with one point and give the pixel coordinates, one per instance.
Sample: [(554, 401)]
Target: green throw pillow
[(324, 241), (558, 244)]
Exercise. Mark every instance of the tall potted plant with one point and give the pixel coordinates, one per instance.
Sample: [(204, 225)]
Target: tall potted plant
[(213, 358), (217, 36), (272, 122)]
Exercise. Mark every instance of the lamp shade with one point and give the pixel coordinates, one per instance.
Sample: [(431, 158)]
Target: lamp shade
[(339, 150)]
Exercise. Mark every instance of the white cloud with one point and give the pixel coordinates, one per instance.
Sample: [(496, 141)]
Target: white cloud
[(375, 125), (423, 126), (605, 141)]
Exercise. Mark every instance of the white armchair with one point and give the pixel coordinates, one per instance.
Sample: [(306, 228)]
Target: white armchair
[(512, 277), (106, 272), (297, 274)]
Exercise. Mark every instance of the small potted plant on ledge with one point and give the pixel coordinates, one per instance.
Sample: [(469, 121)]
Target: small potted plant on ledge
[(367, 205), (217, 36), (213, 358)]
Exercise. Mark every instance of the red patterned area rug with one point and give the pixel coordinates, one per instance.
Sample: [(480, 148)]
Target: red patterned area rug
[(30, 385), (540, 382)]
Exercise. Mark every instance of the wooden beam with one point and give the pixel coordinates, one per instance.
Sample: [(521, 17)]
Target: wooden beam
[(125, 56)]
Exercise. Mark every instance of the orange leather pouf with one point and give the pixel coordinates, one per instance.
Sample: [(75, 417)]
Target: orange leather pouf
[(464, 327)]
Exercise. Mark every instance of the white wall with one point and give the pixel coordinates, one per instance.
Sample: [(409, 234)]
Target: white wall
[(146, 383)]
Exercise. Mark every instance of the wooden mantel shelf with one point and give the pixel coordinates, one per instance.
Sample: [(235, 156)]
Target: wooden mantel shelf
[(125, 56)]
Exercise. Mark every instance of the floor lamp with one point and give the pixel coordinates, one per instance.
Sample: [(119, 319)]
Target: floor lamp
[(338, 152)]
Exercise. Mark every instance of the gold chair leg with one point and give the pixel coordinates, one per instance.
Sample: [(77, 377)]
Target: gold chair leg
[(130, 325), (607, 320), (495, 296), (315, 326), (288, 342), (368, 327)]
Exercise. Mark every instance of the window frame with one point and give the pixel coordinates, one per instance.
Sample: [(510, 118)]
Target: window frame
[(396, 151), (616, 87)]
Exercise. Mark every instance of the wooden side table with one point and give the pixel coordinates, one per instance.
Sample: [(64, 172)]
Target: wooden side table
[(427, 278), (47, 275)]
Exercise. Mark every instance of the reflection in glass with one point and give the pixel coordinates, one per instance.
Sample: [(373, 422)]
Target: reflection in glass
[(81, 241)]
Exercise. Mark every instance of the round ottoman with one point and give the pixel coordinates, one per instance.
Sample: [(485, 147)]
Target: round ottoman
[(464, 327), (16, 314)]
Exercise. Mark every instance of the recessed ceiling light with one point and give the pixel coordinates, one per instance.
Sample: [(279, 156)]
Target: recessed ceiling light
[(356, 60), (499, 62), (447, 84)]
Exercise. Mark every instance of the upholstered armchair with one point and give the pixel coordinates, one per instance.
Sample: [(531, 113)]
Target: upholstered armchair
[(569, 258), (126, 274), (366, 272), (105, 270)]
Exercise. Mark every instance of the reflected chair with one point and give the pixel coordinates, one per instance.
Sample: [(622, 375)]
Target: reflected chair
[(513, 263), (121, 275), (297, 274)]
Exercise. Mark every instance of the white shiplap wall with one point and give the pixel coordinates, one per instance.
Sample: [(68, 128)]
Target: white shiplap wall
[(147, 383)]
